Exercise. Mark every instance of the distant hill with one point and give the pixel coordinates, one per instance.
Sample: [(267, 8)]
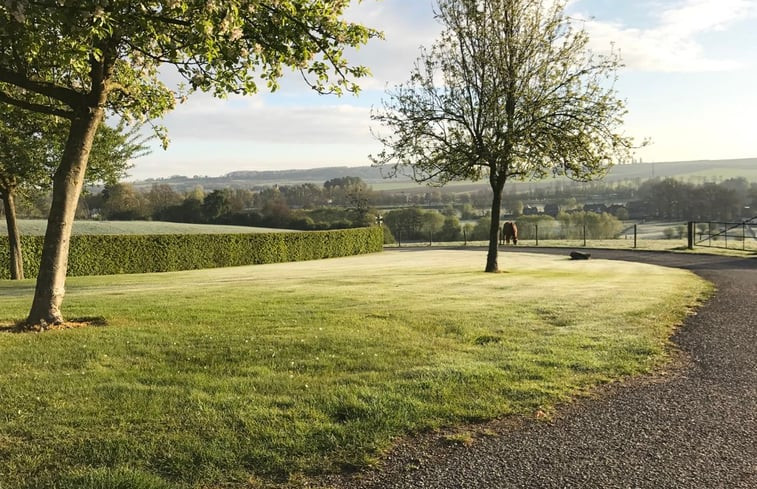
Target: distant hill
[(694, 171), (704, 170), (253, 179)]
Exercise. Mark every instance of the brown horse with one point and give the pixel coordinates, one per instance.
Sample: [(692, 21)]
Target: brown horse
[(509, 231)]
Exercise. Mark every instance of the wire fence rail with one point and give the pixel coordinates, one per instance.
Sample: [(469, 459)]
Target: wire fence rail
[(653, 236), (633, 235), (740, 235)]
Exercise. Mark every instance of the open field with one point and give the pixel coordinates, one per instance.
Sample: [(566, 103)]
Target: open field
[(36, 227), (232, 377)]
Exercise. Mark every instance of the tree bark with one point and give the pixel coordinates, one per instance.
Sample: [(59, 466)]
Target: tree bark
[(67, 185), (491, 258), (14, 238)]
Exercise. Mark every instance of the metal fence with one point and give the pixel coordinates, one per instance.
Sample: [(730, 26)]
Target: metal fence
[(645, 235), (634, 233), (728, 235)]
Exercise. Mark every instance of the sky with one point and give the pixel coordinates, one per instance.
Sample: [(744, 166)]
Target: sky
[(688, 82)]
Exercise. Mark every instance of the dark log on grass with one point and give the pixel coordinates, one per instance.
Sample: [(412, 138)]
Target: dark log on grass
[(577, 255)]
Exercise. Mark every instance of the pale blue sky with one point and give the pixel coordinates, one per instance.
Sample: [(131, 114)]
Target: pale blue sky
[(689, 83)]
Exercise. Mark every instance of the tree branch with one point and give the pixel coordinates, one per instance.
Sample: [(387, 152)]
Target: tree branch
[(67, 96), (39, 108)]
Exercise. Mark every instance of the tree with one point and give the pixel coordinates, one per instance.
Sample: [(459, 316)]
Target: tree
[(344, 190), (509, 90), (431, 223), (87, 57), (160, 198), (31, 145), (188, 210), (20, 149), (123, 202), (215, 205), (306, 195), (668, 198), (241, 199), (450, 230), (480, 230), (513, 204), (405, 224), (197, 193)]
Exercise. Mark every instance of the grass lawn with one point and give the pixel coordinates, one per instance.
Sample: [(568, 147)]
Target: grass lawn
[(36, 227), (672, 245), (234, 377)]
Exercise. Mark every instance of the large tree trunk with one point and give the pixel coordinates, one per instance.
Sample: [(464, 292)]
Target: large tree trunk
[(14, 238), (491, 258), (67, 186)]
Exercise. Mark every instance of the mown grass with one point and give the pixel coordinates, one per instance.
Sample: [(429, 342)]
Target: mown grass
[(671, 245), (36, 227), (229, 377)]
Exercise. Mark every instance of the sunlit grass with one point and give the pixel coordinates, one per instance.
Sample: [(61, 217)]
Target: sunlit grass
[(208, 378), (672, 245)]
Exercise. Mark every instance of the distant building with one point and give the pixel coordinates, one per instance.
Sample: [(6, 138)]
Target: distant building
[(637, 209), (597, 208), (618, 210), (552, 209)]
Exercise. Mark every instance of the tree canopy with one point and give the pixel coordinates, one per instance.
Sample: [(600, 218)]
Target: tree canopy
[(77, 59), (31, 146), (509, 90), (62, 49)]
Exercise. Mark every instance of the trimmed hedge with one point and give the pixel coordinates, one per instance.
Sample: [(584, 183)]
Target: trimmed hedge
[(114, 254)]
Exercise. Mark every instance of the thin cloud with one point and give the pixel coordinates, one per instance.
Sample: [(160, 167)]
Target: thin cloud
[(695, 16), (251, 120), (406, 26), (673, 43)]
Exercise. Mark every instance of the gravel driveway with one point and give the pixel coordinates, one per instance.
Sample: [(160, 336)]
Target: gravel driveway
[(695, 427)]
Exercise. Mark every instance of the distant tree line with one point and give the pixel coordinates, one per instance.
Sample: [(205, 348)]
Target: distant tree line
[(349, 202), (672, 199), (416, 224), (664, 199), (339, 203), (570, 225)]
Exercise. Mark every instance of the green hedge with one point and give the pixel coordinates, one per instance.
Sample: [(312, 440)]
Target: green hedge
[(113, 254)]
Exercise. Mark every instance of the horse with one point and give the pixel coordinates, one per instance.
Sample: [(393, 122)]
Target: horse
[(509, 231)]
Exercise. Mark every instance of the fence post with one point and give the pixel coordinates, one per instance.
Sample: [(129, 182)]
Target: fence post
[(537, 234), (634, 236), (584, 235), (743, 236), (690, 234), (726, 235), (709, 234)]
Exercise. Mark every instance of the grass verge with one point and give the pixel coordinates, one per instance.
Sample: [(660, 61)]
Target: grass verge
[(671, 245), (220, 378)]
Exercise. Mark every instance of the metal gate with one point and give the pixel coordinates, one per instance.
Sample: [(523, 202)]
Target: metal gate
[(728, 235)]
